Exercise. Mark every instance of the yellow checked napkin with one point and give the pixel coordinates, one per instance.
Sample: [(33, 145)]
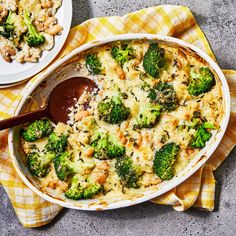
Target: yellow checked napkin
[(199, 189)]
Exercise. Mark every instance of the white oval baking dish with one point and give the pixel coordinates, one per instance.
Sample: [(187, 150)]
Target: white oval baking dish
[(62, 68)]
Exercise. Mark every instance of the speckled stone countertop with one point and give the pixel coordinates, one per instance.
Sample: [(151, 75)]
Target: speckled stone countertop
[(217, 18)]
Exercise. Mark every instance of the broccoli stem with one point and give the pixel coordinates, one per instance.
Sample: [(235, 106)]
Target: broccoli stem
[(33, 37)]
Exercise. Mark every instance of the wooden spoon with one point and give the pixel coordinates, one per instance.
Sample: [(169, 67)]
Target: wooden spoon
[(62, 97)]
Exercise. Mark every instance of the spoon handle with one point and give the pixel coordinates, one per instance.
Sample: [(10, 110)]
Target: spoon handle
[(17, 120)]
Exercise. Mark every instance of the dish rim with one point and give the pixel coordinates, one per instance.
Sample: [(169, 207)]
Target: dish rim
[(40, 65), (192, 169)]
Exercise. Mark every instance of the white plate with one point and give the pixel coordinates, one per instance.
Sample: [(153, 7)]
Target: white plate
[(11, 85), (63, 68), (14, 72)]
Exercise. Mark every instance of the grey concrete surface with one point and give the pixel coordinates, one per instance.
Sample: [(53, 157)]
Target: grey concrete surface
[(218, 20)]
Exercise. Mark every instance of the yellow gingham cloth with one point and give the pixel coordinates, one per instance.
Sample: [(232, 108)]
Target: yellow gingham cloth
[(199, 189)]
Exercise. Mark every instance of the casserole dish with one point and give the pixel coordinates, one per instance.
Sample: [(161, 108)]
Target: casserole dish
[(63, 69)]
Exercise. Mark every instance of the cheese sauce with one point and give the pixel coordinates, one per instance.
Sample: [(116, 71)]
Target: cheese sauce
[(141, 145)]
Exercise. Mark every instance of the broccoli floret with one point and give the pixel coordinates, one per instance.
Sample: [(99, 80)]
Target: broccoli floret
[(106, 147), (37, 129), (112, 110), (39, 163), (93, 64), (201, 81), (128, 172), (196, 121), (33, 37), (7, 29), (92, 190), (64, 167), (201, 127), (122, 53), (202, 135), (56, 143), (154, 61), (165, 95), (194, 124), (148, 117), (164, 160), (77, 192)]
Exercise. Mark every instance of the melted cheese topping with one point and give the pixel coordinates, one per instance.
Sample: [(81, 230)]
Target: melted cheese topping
[(140, 145)]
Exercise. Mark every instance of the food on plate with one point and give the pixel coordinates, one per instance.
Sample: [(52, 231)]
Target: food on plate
[(27, 28), (156, 107)]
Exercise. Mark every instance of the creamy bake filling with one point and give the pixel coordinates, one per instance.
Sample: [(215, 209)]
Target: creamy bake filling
[(155, 108)]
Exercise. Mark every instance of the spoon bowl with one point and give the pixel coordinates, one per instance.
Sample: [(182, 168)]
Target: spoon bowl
[(65, 95), (62, 97)]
